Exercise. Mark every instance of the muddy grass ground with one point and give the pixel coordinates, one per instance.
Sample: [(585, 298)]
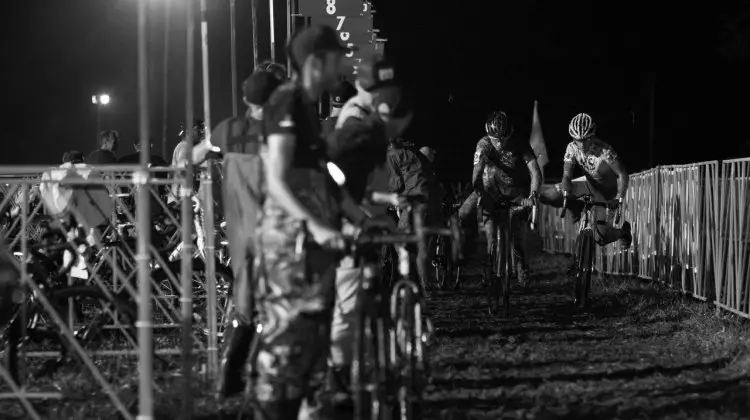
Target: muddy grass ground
[(641, 352)]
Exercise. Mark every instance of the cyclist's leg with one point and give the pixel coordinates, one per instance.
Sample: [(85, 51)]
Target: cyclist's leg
[(424, 255), (488, 225), (553, 195), (467, 216), (605, 232), (519, 253)]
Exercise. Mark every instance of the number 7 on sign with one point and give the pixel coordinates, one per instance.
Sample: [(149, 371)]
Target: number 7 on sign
[(341, 20)]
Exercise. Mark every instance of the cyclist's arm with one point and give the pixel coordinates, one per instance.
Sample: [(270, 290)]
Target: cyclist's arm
[(623, 178), (567, 183), (569, 163), (536, 176), (480, 160)]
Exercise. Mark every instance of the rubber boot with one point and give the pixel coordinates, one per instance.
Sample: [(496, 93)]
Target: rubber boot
[(339, 386), (239, 336)]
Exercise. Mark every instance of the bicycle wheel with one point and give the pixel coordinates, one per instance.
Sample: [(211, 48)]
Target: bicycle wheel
[(388, 266), (584, 254), (443, 263), (92, 310), (369, 374), (409, 370), (505, 263), (491, 278)]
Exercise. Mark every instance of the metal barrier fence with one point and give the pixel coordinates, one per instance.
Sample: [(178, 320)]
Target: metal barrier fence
[(690, 225), (107, 267)]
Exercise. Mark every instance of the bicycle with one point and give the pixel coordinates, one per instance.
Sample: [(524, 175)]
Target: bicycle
[(583, 258), (501, 255), (52, 294), (444, 263), (390, 344)]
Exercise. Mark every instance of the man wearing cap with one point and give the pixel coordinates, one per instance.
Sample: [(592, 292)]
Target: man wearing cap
[(294, 293), (339, 97), (359, 146), (239, 139)]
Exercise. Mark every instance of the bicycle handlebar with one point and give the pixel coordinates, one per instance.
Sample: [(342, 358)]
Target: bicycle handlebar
[(588, 201)]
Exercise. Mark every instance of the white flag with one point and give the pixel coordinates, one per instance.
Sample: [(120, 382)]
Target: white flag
[(537, 141)]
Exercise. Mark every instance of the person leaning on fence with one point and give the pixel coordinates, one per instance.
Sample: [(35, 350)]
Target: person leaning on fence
[(294, 294), (239, 139)]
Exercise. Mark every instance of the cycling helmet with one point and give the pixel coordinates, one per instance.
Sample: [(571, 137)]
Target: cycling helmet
[(497, 126), (581, 127)]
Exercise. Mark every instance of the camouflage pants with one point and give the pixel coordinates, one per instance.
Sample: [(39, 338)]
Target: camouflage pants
[(295, 296)]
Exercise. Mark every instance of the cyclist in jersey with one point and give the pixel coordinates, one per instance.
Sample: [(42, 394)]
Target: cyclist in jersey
[(604, 176), (505, 170)]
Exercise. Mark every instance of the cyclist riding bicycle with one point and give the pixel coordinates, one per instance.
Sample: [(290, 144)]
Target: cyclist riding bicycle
[(605, 177), (505, 170)]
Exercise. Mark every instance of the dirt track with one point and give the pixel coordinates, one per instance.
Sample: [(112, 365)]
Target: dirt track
[(641, 352)]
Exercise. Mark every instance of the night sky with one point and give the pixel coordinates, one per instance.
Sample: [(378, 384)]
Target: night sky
[(572, 56)]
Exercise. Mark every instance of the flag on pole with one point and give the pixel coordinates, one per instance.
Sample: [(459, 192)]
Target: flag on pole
[(537, 141)]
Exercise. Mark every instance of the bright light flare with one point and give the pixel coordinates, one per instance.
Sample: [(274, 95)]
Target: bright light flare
[(336, 173), (100, 99)]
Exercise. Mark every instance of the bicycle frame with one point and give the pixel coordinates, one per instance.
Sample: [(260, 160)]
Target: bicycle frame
[(584, 255), (501, 256)]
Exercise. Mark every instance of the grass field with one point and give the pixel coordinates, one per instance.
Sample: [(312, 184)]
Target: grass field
[(641, 352)]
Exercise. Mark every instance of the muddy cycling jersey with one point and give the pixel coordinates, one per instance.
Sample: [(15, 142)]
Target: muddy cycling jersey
[(506, 174), (595, 157)]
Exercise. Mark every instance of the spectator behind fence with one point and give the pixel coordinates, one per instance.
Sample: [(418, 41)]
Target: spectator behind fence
[(105, 155)]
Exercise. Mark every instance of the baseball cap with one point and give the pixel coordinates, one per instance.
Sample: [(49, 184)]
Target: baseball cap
[(259, 86), (314, 39), (274, 68), (376, 72), (343, 92)]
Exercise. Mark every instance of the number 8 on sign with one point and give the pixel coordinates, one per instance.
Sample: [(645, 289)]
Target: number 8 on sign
[(331, 7)]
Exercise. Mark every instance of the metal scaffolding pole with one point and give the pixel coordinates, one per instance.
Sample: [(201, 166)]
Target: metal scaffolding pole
[(144, 325), (273, 31), (165, 82), (254, 11), (186, 270), (233, 18), (208, 206)]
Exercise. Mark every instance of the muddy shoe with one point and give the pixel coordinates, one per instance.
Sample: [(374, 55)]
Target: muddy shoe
[(627, 238), (523, 277)]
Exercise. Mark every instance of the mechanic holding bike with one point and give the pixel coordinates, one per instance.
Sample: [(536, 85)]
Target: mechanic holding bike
[(358, 146), (505, 170)]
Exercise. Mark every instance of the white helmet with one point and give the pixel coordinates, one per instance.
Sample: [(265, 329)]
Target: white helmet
[(581, 127)]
